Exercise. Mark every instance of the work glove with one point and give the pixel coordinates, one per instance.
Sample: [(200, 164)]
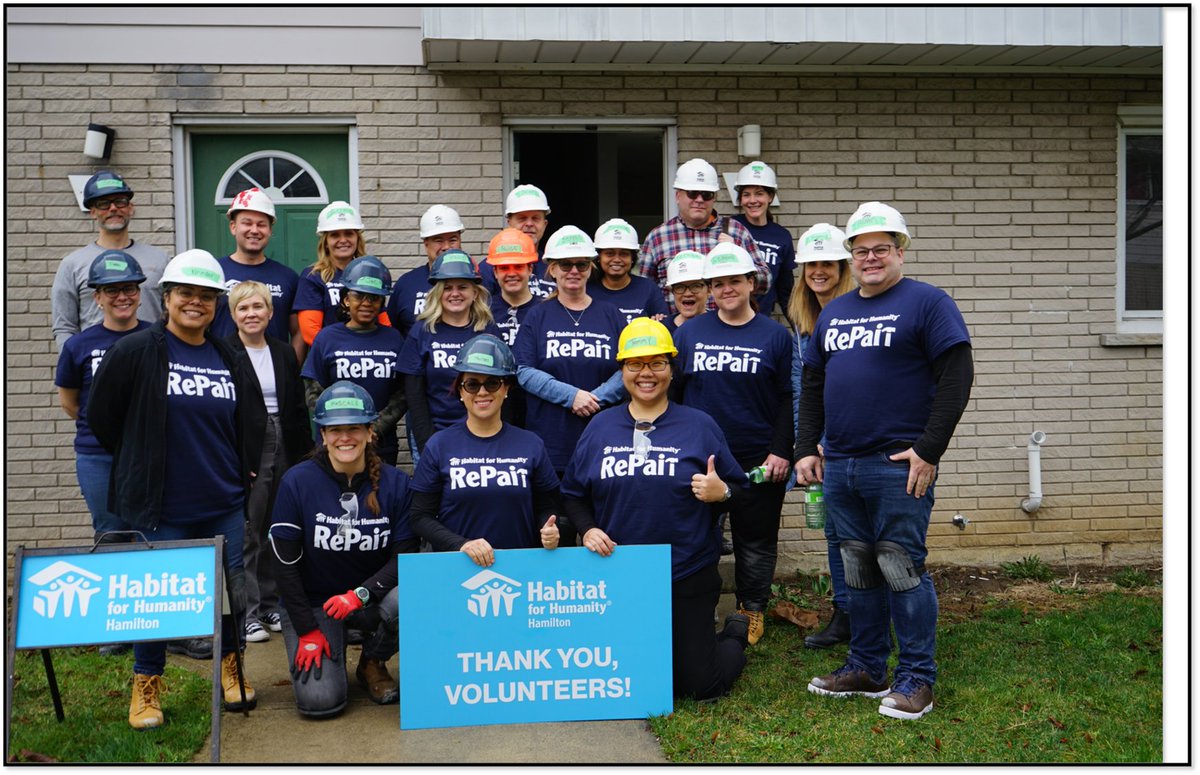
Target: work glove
[(341, 606), (308, 654)]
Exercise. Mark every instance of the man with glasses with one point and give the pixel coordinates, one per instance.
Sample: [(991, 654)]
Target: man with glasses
[(697, 227), (887, 375), (109, 200)]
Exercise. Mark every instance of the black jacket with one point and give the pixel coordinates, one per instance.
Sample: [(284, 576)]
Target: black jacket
[(127, 411), (289, 392)]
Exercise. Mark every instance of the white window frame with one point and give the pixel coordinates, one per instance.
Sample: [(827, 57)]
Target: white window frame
[(320, 199), (1133, 120)]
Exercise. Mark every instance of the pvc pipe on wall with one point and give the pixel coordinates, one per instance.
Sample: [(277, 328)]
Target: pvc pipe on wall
[(1034, 501)]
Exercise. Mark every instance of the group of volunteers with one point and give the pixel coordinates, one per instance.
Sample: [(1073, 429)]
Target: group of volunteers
[(631, 387)]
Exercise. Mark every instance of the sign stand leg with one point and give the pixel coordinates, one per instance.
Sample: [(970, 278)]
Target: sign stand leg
[(53, 681)]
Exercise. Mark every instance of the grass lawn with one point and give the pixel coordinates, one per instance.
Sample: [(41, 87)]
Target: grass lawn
[(95, 694), (1066, 676)]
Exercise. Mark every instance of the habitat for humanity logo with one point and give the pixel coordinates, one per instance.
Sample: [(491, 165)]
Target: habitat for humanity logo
[(490, 592), (65, 584)]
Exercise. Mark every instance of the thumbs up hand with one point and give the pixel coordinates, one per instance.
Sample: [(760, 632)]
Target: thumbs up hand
[(549, 533), (708, 487)]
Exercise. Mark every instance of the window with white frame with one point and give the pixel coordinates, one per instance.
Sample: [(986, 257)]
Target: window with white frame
[(1140, 220)]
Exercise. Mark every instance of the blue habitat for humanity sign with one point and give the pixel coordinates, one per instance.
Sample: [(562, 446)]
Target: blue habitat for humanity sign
[(562, 635), (116, 597)]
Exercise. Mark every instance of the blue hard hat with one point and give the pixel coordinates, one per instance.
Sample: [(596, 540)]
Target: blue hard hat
[(104, 183), (112, 267), (486, 354), (367, 274), (454, 264), (344, 403)]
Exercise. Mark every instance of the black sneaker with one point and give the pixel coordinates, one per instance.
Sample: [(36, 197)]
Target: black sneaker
[(196, 648), (909, 699), (848, 681), (737, 626)]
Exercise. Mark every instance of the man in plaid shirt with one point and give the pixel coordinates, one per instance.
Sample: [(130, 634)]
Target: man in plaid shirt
[(697, 227)]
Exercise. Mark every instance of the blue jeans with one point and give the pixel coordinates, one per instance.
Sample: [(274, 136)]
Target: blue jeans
[(93, 472), (151, 658), (325, 695), (866, 498), (837, 570)]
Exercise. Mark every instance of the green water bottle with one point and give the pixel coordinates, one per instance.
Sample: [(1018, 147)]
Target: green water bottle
[(814, 506), (757, 475)]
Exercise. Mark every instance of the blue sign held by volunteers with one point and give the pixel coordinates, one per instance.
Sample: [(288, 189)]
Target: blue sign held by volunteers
[(563, 635)]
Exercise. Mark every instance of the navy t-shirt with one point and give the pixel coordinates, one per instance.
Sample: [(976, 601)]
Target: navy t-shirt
[(366, 358), (432, 355), (582, 355), (313, 293), (203, 478), (642, 297), (739, 375), (344, 544), (649, 500), (877, 354), (281, 280), (77, 364), (778, 250), (487, 484)]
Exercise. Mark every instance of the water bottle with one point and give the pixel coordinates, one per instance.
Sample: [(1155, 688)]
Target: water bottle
[(757, 475), (814, 506)]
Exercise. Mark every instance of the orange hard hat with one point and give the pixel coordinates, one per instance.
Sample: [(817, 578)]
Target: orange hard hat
[(511, 246)]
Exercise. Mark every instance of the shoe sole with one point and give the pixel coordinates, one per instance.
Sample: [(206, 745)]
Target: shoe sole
[(902, 714), (275, 627), (147, 724), (827, 693), (823, 646), (258, 637), (235, 707)]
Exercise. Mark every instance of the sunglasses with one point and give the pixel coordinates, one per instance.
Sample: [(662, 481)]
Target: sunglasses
[(707, 196), (579, 266), (491, 384)]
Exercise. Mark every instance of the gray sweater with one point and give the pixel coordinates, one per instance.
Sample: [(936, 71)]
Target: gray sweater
[(72, 308)]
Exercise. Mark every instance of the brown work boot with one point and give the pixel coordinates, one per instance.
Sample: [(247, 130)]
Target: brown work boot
[(229, 683), (848, 681), (375, 678), (145, 708), (757, 625)]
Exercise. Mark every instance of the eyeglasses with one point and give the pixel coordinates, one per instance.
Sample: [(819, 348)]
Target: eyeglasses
[(641, 438), (185, 293), (879, 251), (491, 384), (633, 367), (113, 291), (707, 196), (578, 266), (120, 203), (363, 298), (689, 287)]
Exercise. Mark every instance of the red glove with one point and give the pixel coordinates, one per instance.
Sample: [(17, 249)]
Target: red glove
[(341, 606), (308, 653)]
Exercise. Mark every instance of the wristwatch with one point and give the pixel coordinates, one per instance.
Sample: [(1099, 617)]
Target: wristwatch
[(728, 494), (363, 594)]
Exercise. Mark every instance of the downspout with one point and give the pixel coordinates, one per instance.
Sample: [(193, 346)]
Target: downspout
[(1034, 501)]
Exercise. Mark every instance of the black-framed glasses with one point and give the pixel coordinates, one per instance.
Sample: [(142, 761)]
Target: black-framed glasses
[(120, 203), (707, 196), (113, 291), (658, 367), (879, 251), (491, 384), (581, 265), (696, 287)]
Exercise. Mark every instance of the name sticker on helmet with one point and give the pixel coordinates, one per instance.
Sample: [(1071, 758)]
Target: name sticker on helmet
[(723, 258), (370, 282), (455, 258), (110, 183), (344, 403), (115, 265), (508, 249), (527, 192), (640, 341), (868, 220), (201, 273), (823, 236), (570, 239), (481, 359)]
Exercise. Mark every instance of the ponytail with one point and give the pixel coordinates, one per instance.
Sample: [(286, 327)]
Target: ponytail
[(374, 469)]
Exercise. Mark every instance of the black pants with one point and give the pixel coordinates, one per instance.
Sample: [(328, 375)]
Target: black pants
[(754, 524), (706, 664)]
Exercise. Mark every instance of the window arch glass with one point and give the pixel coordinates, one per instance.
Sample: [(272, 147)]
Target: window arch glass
[(283, 176)]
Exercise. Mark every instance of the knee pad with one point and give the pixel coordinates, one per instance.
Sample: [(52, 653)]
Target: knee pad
[(861, 570), (897, 566)]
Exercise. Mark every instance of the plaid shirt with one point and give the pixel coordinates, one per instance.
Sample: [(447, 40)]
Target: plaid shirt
[(665, 241)]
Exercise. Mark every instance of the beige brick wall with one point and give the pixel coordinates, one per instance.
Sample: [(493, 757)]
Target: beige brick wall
[(1008, 184)]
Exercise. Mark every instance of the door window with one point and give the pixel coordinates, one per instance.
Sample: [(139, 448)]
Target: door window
[(283, 176)]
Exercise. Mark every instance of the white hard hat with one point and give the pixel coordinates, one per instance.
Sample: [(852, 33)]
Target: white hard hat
[(525, 197), (876, 216), (195, 267), (569, 242), (726, 260), (440, 219), (686, 267), (252, 199), (823, 242), (696, 175), (616, 233), (338, 215), (756, 173)]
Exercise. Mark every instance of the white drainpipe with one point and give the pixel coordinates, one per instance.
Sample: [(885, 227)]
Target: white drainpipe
[(1034, 501)]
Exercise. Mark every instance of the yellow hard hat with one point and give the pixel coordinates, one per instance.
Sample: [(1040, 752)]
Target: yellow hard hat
[(644, 336)]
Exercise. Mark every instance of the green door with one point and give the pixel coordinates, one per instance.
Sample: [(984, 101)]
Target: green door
[(300, 172)]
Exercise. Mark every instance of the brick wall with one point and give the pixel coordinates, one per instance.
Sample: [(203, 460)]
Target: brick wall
[(1008, 184)]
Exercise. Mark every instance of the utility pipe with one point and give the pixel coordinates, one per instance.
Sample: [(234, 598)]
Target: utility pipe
[(1034, 501)]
